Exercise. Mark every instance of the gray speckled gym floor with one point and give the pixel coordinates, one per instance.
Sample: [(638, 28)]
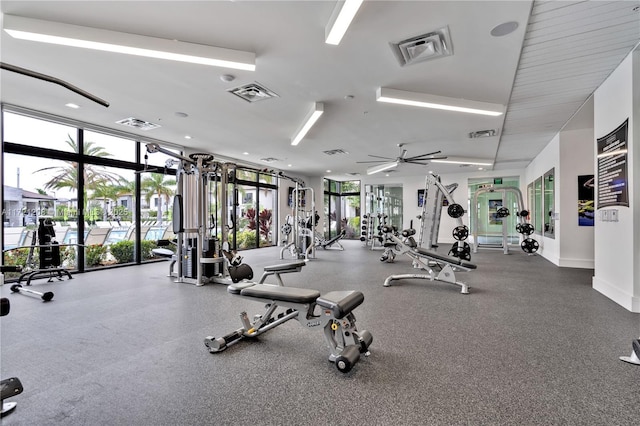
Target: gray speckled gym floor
[(532, 344)]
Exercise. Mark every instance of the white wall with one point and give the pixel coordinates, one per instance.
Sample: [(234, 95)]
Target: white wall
[(617, 243), (576, 159)]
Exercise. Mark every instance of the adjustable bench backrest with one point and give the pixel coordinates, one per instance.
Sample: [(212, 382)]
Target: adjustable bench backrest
[(449, 259)]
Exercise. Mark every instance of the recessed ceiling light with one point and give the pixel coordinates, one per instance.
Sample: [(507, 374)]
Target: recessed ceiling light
[(504, 29), (328, 171), (187, 137), (181, 114), (74, 106), (245, 153), (288, 165), (480, 168)]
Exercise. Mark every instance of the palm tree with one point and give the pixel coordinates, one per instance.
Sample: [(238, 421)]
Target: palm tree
[(157, 185), (105, 193), (66, 176), (126, 188)]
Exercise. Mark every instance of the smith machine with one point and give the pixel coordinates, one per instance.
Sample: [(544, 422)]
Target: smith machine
[(435, 193)]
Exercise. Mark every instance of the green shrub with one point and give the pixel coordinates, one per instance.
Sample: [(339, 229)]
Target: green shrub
[(122, 251), (68, 256), (246, 239), (94, 254), (15, 257), (147, 247)]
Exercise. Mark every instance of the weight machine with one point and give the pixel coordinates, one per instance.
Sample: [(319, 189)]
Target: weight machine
[(201, 256), (528, 244), (303, 222), (435, 193)]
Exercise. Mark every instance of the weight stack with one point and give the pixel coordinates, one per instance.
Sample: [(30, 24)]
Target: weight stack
[(210, 270)]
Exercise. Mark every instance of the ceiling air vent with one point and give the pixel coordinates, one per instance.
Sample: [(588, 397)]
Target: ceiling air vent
[(335, 151), (435, 44), (253, 92), (483, 133), (269, 160), (137, 123)]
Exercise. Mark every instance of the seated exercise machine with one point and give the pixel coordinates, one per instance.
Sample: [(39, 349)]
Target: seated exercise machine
[(236, 270), (424, 259), (12, 386), (334, 316)]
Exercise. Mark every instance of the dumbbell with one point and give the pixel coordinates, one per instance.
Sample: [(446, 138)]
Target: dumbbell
[(17, 288)]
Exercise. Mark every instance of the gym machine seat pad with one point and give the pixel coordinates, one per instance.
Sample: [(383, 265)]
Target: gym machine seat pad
[(341, 302), (284, 294), (448, 259), (285, 266)]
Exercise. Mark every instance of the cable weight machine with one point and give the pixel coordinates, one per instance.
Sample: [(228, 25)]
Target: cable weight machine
[(201, 256), (304, 220)]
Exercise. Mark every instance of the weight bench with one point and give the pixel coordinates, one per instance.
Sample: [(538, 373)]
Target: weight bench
[(334, 316), (326, 244), (282, 268), (428, 260)]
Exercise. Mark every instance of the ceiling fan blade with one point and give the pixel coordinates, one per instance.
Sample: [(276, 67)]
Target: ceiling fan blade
[(418, 162), (379, 156), (380, 167), (423, 155), (372, 161)]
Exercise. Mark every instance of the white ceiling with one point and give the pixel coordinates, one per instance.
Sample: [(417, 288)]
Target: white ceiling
[(544, 71)]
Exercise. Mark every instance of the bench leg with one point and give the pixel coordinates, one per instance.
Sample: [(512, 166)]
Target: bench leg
[(345, 342), (260, 324)]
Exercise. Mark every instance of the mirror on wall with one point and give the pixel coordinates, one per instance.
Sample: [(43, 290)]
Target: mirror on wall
[(387, 200), (548, 200)]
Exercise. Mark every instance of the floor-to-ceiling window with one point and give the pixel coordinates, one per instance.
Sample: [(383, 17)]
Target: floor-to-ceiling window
[(256, 201), (342, 208), (90, 184)]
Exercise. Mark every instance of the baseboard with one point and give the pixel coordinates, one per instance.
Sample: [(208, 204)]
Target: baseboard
[(577, 263), (622, 298)]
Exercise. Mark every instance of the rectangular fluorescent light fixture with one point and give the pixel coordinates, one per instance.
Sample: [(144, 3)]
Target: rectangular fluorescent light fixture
[(381, 167), (424, 100), (129, 44), (341, 18), (311, 119), (470, 161)]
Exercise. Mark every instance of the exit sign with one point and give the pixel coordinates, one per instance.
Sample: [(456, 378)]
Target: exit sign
[(497, 181)]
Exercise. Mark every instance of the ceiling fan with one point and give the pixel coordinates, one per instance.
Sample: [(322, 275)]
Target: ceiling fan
[(422, 159)]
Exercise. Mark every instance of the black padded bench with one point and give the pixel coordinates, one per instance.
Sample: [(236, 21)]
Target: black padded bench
[(282, 268), (449, 259), (335, 317)]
